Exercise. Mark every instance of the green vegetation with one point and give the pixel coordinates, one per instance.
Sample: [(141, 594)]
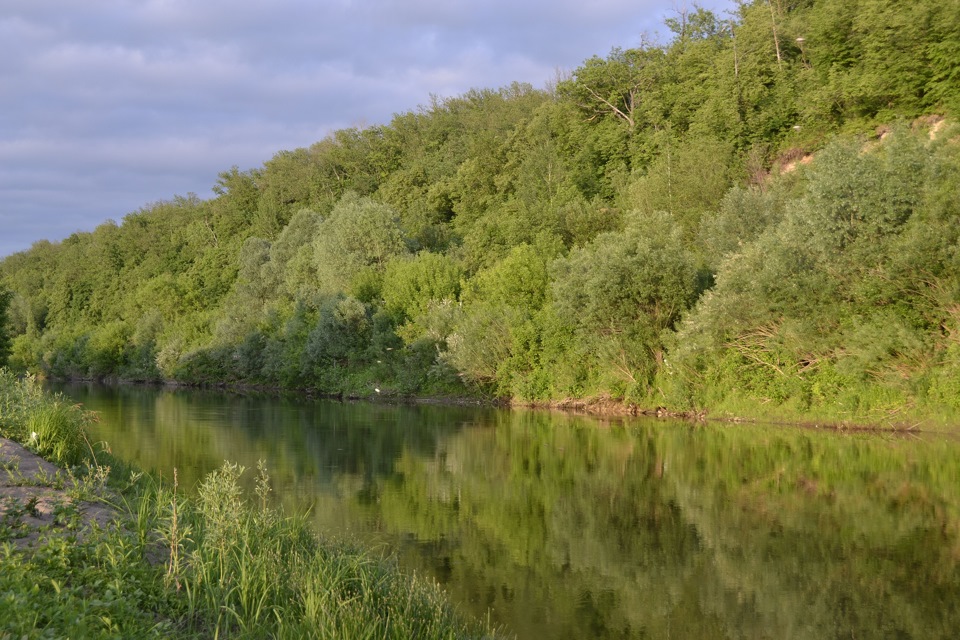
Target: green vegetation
[(53, 427), (174, 566), (5, 297), (755, 218)]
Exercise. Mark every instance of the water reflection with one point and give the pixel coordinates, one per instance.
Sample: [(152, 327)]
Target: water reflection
[(564, 527)]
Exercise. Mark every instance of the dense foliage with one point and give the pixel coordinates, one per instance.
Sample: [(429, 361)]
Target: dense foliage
[(709, 222), (4, 337)]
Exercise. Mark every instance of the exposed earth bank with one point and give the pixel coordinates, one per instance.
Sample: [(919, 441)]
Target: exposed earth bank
[(37, 498)]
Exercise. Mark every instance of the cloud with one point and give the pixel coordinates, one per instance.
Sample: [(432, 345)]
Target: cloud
[(108, 105)]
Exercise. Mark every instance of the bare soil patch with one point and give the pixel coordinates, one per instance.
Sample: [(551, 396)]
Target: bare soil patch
[(37, 498)]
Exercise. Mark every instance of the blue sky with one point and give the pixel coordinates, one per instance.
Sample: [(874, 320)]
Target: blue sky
[(110, 105)]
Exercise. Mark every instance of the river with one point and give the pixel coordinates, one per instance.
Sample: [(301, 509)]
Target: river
[(558, 526)]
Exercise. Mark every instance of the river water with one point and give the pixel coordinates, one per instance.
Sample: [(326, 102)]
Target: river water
[(562, 527)]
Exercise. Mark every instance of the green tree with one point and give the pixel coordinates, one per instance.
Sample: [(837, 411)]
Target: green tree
[(5, 341), (687, 180), (337, 343), (616, 86), (482, 344), (235, 208), (743, 215), (521, 280), (359, 233), (291, 265), (622, 290), (410, 285)]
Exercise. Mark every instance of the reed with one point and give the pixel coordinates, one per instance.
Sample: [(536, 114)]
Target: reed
[(58, 433)]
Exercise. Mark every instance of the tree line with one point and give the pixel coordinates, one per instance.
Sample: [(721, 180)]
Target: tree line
[(756, 216)]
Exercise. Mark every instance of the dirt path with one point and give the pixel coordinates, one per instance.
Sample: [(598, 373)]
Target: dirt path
[(37, 498)]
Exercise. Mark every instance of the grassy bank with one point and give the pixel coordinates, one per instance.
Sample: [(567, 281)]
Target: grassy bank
[(217, 564), (861, 408)]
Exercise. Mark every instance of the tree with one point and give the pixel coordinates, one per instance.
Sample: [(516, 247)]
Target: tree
[(688, 180), (615, 86), (338, 340), (621, 291), (410, 285), (521, 280), (291, 264), (642, 276), (5, 298), (235, 208), (360, 233)]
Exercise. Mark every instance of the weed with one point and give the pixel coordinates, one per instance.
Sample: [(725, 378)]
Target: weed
[(30, 507), (90, 484), (12, 468), (66, 515), (174, 534), (13, 512)]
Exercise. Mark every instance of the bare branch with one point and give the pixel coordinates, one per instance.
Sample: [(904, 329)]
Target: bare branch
[(612, 106)]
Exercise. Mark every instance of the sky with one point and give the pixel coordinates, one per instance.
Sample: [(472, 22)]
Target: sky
[(107, 106)]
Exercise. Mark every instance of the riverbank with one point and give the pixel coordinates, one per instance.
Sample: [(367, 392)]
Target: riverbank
[(38, 499), (907, 419), (884, 417), (93, 549)]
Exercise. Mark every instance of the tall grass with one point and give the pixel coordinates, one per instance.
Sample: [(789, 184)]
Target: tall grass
[(46, 423), (19, 399), (58, 433), (250, 571), (214, 567)]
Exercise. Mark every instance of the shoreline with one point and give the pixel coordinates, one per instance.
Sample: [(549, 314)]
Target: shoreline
[(598, 407)]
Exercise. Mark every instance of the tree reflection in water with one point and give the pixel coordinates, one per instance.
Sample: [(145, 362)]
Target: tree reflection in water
[(566, 527)]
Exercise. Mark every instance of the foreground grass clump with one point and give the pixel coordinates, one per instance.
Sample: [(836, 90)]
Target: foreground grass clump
[(213, 565), (251, 571), (46, 423)]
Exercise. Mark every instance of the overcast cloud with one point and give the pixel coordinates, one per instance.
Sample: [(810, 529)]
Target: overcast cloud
[(109, 105)]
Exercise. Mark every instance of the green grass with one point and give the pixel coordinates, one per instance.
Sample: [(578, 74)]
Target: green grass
[(47, 424), (58, 433)]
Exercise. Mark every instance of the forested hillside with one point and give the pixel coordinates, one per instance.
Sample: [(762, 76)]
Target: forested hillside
[(759, 216)]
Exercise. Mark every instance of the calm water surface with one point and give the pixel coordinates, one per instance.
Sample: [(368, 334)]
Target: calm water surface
[(564, 527)]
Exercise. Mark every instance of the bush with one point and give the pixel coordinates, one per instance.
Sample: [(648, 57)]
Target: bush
[(621, 291)]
